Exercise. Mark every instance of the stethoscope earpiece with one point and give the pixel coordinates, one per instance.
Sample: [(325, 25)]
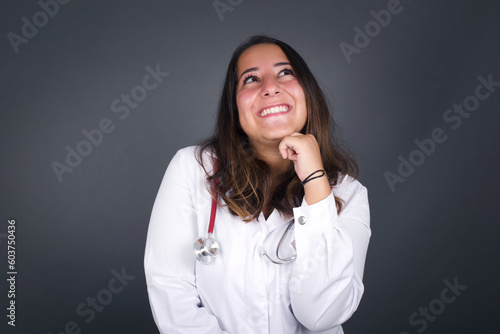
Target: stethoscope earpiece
[(206, 249)]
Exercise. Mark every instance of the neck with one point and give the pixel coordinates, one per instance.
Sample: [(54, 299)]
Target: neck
[(271, 155)]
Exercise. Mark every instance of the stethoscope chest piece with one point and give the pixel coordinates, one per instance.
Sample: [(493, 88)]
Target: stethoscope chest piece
[(206, 249)]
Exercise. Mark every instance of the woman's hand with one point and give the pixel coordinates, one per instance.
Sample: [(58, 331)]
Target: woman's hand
[(304, 151)]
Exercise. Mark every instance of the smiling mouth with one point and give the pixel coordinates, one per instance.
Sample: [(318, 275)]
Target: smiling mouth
[(275, 110)]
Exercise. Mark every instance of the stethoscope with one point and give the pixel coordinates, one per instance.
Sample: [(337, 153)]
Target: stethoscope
[(206, 249), (263, 252)]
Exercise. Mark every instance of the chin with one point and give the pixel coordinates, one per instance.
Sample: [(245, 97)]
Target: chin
[(278, 135)]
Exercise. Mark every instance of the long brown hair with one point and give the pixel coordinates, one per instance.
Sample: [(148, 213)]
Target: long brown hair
[(245, 182)]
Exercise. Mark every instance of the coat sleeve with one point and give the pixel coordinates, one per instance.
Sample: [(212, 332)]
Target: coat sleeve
[(169, 260), (326, 283)]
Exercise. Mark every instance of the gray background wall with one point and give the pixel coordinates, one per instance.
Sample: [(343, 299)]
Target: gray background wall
[(439, 225)]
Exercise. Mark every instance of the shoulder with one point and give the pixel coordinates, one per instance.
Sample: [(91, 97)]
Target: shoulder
[(189, 160), (186, 154), (349, 189), (189, 156), (355, 199)]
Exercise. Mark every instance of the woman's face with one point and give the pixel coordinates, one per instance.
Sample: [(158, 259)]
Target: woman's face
[(271, 103)]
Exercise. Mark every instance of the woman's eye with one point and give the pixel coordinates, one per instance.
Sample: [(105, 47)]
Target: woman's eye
[(250, 78), (286, 71)]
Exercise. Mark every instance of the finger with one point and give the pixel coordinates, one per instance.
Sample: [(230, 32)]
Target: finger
[(288, 141), (288, 145), (292, 155), (283, 146), (284, 153)]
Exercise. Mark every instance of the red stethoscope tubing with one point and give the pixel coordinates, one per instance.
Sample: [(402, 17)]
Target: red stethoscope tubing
[(214, 204), (214, 210)]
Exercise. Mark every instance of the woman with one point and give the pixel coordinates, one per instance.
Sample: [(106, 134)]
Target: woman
[(292, 225)]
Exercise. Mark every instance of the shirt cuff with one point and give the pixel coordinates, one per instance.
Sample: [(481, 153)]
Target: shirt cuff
[(316, 218)]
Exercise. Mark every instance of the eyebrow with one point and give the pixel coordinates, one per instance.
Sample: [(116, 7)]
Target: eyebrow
[(256, 68)]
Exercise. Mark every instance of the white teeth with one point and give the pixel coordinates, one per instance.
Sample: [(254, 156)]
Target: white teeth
[(274, 110)]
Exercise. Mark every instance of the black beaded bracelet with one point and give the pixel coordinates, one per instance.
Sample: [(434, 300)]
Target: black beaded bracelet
[(309, 178)]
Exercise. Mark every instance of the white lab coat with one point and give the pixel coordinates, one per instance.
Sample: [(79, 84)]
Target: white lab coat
[(242, 291)]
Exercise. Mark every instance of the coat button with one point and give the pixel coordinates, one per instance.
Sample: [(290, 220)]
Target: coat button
[(302, 220)]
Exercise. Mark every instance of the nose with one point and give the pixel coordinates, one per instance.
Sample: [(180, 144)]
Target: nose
[(270, 86)]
